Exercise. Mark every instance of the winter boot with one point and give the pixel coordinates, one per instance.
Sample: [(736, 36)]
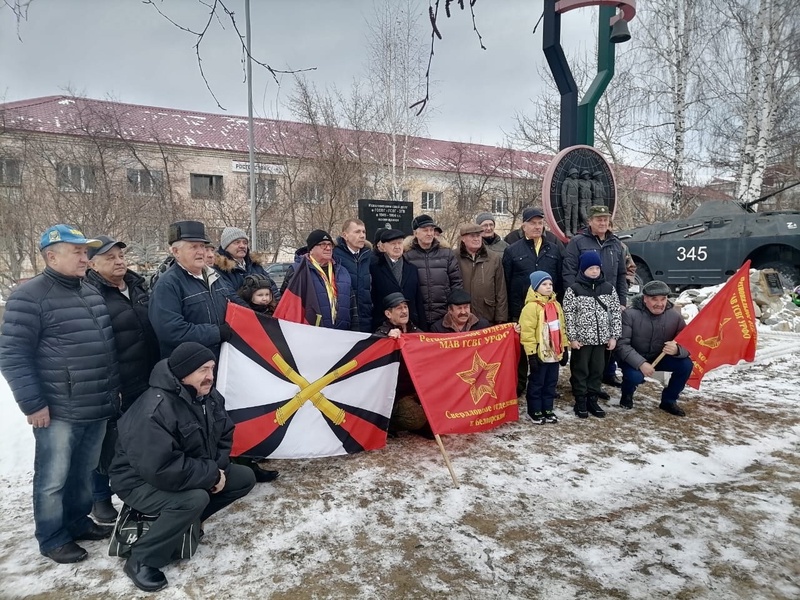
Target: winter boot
[(550, 417), (626, 401), (601, 395), (104, 512), (672, 408), (594, 408), (537, 418), (580, 407)]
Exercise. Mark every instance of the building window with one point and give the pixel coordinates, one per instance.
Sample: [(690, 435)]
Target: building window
[(404, 195), (206, 186), (431, 200), (500, 206), (76, 178), (144, 181), (266, 191), (10, 172), (269, 240), (311, 193)]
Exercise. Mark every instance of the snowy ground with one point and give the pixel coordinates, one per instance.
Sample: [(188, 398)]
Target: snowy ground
[(639, 505)]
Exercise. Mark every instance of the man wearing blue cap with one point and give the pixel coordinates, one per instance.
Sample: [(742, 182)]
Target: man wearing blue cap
[(57, 353)]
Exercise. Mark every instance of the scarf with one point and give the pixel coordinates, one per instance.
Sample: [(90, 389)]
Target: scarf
[(550, 318), (330, 284)]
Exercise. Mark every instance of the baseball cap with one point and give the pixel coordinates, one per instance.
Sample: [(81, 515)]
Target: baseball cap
[(66, 233)]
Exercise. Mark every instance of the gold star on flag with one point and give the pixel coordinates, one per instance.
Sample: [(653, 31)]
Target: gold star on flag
[(481, 371)]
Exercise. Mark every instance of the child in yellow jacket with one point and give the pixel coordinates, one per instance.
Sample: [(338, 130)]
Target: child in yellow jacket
[(544, 337)]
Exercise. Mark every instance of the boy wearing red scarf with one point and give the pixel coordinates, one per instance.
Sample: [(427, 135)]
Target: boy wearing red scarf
[(543, 334)]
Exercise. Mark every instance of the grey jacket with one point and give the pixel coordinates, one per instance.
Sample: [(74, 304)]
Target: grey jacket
[(644, 334)]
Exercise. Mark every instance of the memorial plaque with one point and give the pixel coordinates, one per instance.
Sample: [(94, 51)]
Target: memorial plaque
[(771, 282), (577, 178), (385, 214)]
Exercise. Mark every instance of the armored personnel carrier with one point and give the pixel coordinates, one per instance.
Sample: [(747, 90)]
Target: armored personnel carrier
[(710, 245)]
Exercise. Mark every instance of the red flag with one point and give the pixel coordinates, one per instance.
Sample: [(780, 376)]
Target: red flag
[(724, 332), (466, 382)]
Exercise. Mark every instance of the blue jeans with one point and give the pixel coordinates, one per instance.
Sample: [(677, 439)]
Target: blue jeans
[(681, 369), (66, 455)]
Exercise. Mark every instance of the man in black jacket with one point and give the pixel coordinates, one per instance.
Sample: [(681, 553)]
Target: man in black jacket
[(173, 459), (57, 354), (137, 348), (391, 273), (537, 251)]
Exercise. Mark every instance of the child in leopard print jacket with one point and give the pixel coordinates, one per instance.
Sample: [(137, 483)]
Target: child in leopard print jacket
[(594, 323)]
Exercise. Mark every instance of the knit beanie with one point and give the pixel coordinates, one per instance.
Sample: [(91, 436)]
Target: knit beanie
[(537, 277), (589, 259), (317, 237), (484, 216), (187, 358), (230, 235)]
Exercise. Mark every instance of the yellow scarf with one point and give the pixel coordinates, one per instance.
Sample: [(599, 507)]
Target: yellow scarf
[(330, 284)]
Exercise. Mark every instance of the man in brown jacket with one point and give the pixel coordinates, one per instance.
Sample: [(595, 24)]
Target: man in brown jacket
[(482, 272)]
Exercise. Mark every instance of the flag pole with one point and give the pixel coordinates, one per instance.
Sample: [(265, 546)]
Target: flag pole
[(658, 359), (446, 459)]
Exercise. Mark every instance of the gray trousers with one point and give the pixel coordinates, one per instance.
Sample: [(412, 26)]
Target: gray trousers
[(178, 510)]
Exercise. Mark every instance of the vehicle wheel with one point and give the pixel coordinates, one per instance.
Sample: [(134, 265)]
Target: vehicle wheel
[(790, 274), (643, 274)]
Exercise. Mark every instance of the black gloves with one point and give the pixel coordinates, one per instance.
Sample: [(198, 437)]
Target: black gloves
[(225, 332)]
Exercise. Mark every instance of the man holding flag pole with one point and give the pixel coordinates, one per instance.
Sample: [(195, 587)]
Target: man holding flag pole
[(722, 334)]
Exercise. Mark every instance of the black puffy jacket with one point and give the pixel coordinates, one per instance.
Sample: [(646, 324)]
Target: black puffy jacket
[(57, 349), (439, 273), (171, 439), (137, 346), (520, 260)]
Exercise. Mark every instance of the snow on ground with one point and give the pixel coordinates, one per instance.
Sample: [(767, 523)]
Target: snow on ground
[(639, 505)]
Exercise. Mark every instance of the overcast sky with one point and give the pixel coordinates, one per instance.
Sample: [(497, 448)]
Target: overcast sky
[(125, 50)]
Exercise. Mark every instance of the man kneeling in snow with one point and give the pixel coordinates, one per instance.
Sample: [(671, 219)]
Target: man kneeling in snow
[(649, 327), (173, 458)]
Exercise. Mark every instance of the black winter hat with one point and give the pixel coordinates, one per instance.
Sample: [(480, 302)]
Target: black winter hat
[(422, 221), (317, 237), (187, 358), (251, 284), (389, 235), (458, 296)]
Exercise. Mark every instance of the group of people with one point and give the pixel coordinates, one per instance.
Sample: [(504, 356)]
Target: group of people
[(117, 380)]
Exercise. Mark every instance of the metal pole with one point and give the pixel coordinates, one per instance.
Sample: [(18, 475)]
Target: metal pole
[(605, 73), (253, 224)]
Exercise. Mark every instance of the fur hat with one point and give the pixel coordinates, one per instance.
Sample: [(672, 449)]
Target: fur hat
[(230, 235), (251, 284), (187, 358), (655, 288), (538, 277), (484, 216)]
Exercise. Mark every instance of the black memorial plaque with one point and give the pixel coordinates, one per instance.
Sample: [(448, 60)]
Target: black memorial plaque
[(385, 214), (772, 282)]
